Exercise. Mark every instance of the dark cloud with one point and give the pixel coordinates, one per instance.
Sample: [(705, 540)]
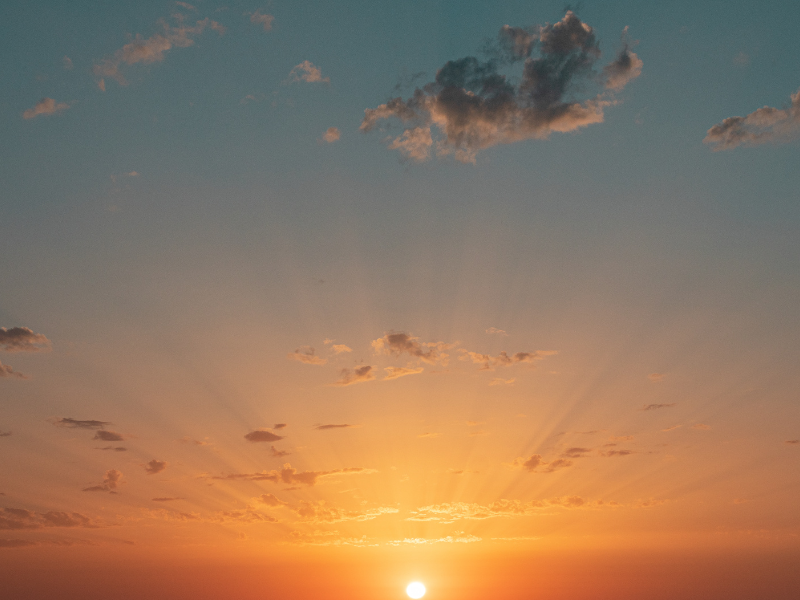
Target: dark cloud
[(111, 482), (155, 466), (22, 339), (657, 406), (793, 441), (332, 426), (395, 344), (617, 453), (262, 435), (307, 355), (19, 518), (471, 105), (278, 453), (279, 425), (575, 452), (108, 436), (765, 125), (357, 375), (8, 371), (78, 424), (5, 433), (289, 475)]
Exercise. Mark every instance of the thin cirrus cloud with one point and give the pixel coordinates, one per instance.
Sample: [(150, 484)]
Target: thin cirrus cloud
[(307, 355), (111, 482), (22, 339), (489, 363), (155, 466), (398, 343), (353, 376), (289, 475), (535, 464), (471, 106), (262, 19), (306, 71), (396, 372), (262, 435), (45, 107), (767, 125), (151, 50)]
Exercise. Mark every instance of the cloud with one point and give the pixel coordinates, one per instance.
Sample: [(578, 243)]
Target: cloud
[(186, 5), (279, 425), (495, 330), (342, 426), (503, 359), (8, 371), (18, 518), (701, 426), (307, 72), (22, 339), (108, 436), (429, 435), (45, 106), (337, 348), (270, 500), (455, 511), (331, 135), (263, 19), (79, 424), (793, 441), (626, 66), (617, 453), (321, 512), (155, 466), (114, 448), (471, 105), (575, 452), (150, 50), (535, 462), (307, 355), (8, 433), (499, 381), (67, 62), (462, 539), (395, 372), (765, 125), (188, 440), (262, 435), (290, 475), (657, 406), (395, 344), (671, 428), (168, 499), (110, 483), (656, 377), (278, 453), (5, 543), (357, 375)]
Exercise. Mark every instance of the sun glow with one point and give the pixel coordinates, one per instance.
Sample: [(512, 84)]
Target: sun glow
[(415, 590)]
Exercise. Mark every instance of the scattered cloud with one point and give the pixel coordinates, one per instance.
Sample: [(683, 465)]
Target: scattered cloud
[(535, 464), (262, 19), (155, 466), (461, 539), (152, 49), (331, 135), (395, 344), (671, 428), (111, 482), (279, 425), (503, 359), (186, 5), (657, 406), (395, 372), (8, 371), (337, 348), (455, 511), (429, 435), (18, 518), (331, 426), (307, 72), (8, 433), (765, 125), (701, 426), (617, 453), (46, 107), (262, 435), (357, 375), (189, 440), (67, 62), (307, 355), (656, 377), (793, 442), (471, 106), (79, 424), (278, 453), (22, 339), (322, 512), (108, 436), (575, 452), (270, 500), (496, 331), (500, 381), (167, 499), (114, 448), (290, 475)]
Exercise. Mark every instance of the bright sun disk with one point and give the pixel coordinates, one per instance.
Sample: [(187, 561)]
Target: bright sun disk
[(415, 590)]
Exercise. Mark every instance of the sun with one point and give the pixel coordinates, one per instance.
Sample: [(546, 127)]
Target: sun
[(415, 590)]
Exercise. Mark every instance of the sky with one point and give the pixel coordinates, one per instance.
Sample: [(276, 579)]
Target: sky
[(310, 299)]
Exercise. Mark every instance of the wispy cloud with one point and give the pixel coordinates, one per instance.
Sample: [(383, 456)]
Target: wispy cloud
[(322, 512), (395, 372), (489, 363), (535, 464), (496, 331), (657, 406), (337, 348), (18, 518), (45, 107), (289, 475), (8, 371), (453, 511), (396, 344), (307, 72), (262, 435), (262, 19), (332, 426), (656, 377), (307, 355), (80, 424), (471, 105), (357, 375), (22, 339), (111, 482), (155, 466), (108, 436), (278, 453), (763, 126)]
